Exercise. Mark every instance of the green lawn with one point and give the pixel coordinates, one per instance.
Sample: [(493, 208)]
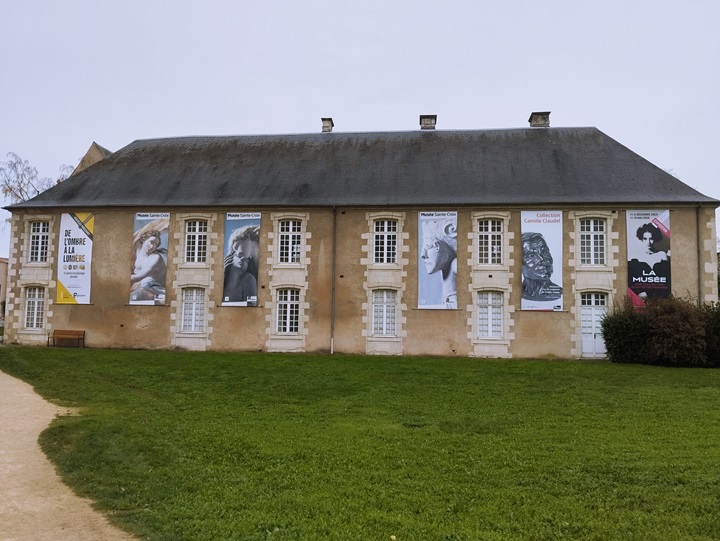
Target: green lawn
[(210, 446)]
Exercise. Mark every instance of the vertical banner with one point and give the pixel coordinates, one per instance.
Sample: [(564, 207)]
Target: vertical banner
[(542, 248), (648, 247), (74, 263), (437, 264), (149, 258), (242, 247)]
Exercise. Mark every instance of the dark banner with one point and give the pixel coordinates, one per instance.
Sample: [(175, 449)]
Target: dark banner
[(542, 248), (648, 246), (242, 247)]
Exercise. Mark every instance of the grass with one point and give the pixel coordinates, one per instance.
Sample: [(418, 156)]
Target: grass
[(216, 446)]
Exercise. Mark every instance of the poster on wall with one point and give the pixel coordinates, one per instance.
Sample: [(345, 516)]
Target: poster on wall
[(75, 258), (242, 248), (149, 258), (648, 248), (437, 264), (542, 249)]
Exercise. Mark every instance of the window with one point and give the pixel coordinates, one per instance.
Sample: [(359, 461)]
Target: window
[(288, 311), (193, 309), (384, 309), (196, 235), (34, 307), (490, 242), (593, 299), (39, 241), (385, 241), (290, 237), (490, 314), (592, 241)]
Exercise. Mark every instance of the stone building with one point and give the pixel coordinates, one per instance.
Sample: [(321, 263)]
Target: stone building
[(486, 243)]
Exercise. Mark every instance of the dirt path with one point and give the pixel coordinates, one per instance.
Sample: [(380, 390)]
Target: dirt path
[(34, 504)]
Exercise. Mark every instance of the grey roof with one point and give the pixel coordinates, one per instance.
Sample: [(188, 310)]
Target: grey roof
[(552, 166)]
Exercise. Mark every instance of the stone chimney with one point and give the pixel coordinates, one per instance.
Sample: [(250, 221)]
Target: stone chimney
[(427, 122), (540, 120), (327, 125)]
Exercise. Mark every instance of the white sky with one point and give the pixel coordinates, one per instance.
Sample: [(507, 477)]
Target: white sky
[(645, 72)]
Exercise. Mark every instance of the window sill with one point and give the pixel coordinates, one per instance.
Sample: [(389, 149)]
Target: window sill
[(384, 338)]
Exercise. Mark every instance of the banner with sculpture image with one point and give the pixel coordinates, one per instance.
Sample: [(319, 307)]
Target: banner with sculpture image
[(149, 258), (242, 248), (75, 258), (437, 260), (648, 248), (542, 269)]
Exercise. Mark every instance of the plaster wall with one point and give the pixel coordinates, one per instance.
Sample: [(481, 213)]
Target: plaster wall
[(110, 321)]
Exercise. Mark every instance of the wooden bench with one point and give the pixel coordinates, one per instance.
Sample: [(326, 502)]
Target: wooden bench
[(60, 335)]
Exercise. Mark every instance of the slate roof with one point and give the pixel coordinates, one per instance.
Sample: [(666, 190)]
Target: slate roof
[(529, 166)]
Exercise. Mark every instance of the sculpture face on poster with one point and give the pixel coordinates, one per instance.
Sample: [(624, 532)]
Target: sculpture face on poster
[(537, 268), (439, 254)]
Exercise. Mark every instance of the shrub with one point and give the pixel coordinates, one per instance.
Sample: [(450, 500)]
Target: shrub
[(671, 332), (626, 331), (711, 314), (677, 333)]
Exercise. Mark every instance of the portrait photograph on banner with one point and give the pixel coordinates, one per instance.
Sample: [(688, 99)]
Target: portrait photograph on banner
[(542, 248), (242, 248), (149, 258), (437, 264), (648, 248), (75, 258)]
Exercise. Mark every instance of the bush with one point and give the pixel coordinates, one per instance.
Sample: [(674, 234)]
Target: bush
[(671, 332), (626, 331), (677, 333), (711, 314)]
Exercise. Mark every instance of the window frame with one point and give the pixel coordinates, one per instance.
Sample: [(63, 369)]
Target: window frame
[(490, 241), (193, 310), (385, 241), (290, 238), (387, 309), (35, 308), (490, 314), (196, 240), (593, 297), (39, 242), (591, 253), (287, 311)]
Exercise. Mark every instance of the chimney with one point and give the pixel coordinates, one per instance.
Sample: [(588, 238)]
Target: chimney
[(327, 125), (427, 122), (540, 120)]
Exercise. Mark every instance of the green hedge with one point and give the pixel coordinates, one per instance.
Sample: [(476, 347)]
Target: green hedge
[(670, 332)]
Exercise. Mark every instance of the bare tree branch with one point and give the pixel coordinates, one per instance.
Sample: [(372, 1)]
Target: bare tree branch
[(19, 180)]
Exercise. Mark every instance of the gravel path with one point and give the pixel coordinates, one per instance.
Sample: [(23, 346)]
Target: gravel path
[(34, 504)]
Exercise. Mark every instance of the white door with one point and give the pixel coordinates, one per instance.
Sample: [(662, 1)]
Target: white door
[(593, 308)]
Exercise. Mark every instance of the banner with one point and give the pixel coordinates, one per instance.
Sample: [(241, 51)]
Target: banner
[(648, 248), (149, 258), (75, 258), (437, 263), (242, 247), (542, 248)]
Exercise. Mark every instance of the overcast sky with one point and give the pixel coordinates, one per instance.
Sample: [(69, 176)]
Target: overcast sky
[(647, 73)]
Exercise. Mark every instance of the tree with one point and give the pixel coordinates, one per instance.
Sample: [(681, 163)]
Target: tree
[(19, 180)]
